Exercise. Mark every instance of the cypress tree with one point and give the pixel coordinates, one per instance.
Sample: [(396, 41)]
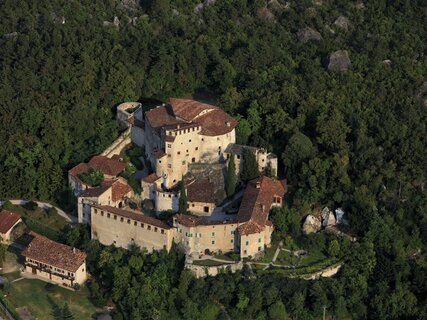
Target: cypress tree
[(183, 198), (250, 166), (66, 313), (231, 177)]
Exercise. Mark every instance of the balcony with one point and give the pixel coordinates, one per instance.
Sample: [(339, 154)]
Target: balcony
[(48, 270)]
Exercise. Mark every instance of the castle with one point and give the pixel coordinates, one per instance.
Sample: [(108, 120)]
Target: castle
[(190, 140)]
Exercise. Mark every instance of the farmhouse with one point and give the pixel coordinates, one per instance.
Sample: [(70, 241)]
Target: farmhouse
[(54, 262)]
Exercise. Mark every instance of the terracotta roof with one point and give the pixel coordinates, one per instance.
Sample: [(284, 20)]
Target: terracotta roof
[(55, 254), (161, 116), (216, 122), (119, 190), (159, 154), (188, 109), (257, 201), (187, 112), (134, 215), (8, 220), (201, 190), (97, 191), (80, 168), (106, 165), (151, 178), (192, 221)]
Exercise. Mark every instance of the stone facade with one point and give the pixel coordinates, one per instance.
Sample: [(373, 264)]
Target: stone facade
[(125, 228)]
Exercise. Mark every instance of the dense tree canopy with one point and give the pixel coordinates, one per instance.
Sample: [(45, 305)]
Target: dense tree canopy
[(355, 139)]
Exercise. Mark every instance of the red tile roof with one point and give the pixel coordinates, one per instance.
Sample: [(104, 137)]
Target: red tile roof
[(134, 215), (183, 112), (201, 190), (119, 190), (8, 220), (108, 166), (55, 254), (256, 203), (151, 178), (97, 191)]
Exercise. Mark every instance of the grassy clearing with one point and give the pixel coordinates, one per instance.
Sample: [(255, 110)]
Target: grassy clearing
[(269, 254), (33, 295), (229, 256), (286, 258)]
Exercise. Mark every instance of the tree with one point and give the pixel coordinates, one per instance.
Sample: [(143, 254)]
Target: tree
[(277, 311), (183, 198), (66, 313), (231, 177), (333, 248), (250, 166)]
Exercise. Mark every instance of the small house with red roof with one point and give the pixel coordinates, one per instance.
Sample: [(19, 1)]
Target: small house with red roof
[(8, 221)]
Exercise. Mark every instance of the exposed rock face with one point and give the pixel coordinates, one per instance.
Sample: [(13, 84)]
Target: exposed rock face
[(342, 22), (329, 220), (324, 213), (339, 61), (422, 93), (311, 224), (340, 215), (308, 35), (203, 5), (115, 23), (387, 62)]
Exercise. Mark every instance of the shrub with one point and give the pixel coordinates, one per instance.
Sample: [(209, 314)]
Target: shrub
[(51, 212), (31, 205), (93, 178)]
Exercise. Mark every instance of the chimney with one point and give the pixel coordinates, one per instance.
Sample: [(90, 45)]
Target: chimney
[(258, 184), (262, 207), (74, 250), (228, 123)]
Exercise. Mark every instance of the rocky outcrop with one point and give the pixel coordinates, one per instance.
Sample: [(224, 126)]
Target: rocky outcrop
[(339, 61), (311, 224), (115, 23), (329, 220), (342, 23), (339, 213), (308, 35)]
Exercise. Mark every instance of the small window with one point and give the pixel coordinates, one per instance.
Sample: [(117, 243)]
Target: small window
[(169, 145), (206, 209), (259, 240), (259, 248), (247, 243), (193, 205), (142, 225), (197, 148), (121, 219), (190, 139), (169, 166), (108, 215), (102, 213), (179, 152), (128, 221), (135, 223), (132, 239), (203, 139), (170, 196), (231, 241), (238, 156), (245, 251), (155, 229), (232, 232), (213, 241), (187, 150), (213, 234), (162, 231), (115, 217), (96, 210), (148, 227)]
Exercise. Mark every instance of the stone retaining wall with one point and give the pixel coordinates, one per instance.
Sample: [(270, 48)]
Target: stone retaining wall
[(119, 144)]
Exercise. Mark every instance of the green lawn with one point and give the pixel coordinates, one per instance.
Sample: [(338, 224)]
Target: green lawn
[(286, 258), (269, 254), (227, 256), (33, 295), (312, 258)]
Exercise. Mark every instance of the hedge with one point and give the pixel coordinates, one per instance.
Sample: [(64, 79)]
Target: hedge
[(40, 228)]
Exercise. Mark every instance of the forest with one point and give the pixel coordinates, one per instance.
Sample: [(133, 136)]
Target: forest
[(354, 139)]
